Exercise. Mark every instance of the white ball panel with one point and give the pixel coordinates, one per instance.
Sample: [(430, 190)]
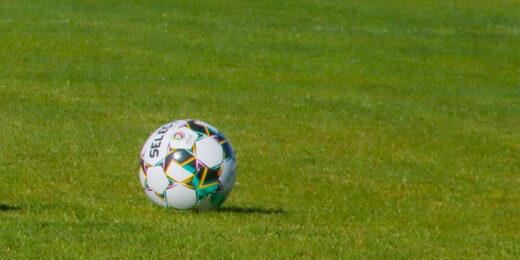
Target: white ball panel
[(142, 177), (157, 180), (151, 194), (209, 152), (177, 172), (181, 197), (183, 138), (156, 147)]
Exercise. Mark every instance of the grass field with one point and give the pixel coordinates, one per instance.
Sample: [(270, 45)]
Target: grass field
[(363, 129)]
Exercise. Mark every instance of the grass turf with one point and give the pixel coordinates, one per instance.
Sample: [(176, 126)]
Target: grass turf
[(362, 129)]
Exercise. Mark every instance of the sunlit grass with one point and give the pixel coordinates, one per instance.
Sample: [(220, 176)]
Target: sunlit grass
[(362, 129)]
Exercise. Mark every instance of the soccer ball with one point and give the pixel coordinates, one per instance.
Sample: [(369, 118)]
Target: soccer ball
[(187, 164)]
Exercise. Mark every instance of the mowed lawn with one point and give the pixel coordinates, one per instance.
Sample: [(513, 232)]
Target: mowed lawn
[(363, 129)]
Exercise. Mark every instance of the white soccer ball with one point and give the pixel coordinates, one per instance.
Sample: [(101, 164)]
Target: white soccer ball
[(187, 164)]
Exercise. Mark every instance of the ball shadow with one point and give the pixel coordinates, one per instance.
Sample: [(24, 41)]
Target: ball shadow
[(6, 207), (251, 210)]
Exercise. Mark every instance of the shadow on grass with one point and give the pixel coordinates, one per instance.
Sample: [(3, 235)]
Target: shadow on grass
[(6, 207), (251, 210)]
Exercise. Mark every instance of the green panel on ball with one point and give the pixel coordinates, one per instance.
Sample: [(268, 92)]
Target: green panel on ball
[(190, 167), (203, 191), (217, 199)]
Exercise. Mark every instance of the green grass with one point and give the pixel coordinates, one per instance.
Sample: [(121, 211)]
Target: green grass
[(363, 129)]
